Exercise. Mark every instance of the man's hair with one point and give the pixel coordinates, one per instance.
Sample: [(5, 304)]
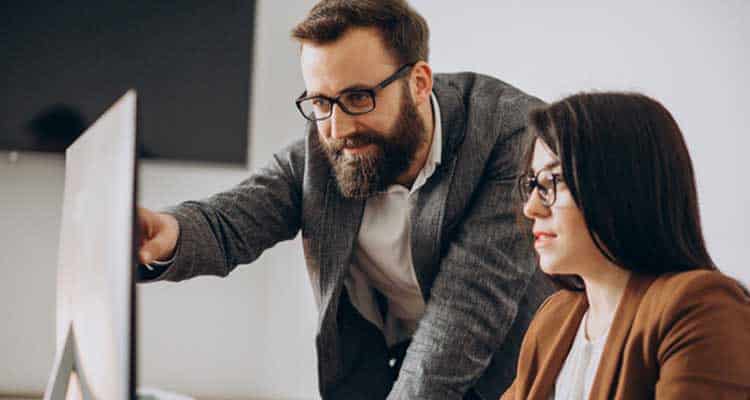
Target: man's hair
[(626, 163), (403, 30)]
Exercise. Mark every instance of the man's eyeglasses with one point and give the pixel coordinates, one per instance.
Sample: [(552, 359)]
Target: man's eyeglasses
[(544, 181), (352, 101)]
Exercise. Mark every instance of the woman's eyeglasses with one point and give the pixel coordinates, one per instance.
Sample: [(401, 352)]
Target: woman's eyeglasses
[(545, 181)]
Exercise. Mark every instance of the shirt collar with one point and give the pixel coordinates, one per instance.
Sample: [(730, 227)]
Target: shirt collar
[(436, 149)]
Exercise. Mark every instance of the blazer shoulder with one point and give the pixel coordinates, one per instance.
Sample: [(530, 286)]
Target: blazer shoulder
[(700, 324), (294, 151), (290, 159), (676, 296), (696, 285), (478, 90)]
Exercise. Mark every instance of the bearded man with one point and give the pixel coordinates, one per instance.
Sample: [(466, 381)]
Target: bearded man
[(402, 189)]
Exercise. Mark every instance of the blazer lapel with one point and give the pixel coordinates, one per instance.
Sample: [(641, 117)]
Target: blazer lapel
[(605, 381), (335, 232), (427, 215), (341, 222), (554, 349)]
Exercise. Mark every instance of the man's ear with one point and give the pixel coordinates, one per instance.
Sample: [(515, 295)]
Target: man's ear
[(420, 82)]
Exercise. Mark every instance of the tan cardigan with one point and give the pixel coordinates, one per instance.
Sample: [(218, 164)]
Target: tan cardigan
[(678, 336)]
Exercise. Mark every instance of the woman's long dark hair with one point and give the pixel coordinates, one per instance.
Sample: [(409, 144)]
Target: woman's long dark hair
[(625, 162)]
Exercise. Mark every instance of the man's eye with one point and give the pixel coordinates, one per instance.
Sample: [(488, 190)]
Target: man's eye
[(358, 98)]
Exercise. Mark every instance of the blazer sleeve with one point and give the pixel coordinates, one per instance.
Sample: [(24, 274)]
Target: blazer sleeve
[(704, 351), (483, 276), (234, 227)]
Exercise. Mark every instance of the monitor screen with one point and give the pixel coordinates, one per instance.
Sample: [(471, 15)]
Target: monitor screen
[(64, 63), (95, 285)]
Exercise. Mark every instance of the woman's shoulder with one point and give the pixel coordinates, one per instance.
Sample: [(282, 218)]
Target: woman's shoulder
[(696, 284), (699, 320), (680, 295)]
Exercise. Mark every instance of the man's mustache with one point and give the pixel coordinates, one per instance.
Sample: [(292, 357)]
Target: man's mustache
[(355, 140)]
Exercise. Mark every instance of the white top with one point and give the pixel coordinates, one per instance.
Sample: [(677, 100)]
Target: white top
[(579, 370), (382, 255)]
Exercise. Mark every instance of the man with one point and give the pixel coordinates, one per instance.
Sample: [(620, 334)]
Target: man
[(402, 190)]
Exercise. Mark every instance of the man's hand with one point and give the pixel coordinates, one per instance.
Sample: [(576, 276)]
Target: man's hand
[(157, 235)]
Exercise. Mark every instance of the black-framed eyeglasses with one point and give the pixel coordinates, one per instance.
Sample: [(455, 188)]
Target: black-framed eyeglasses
[(545, 181), (351, 101)]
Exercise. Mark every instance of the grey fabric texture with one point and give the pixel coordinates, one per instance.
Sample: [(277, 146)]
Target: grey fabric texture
[(472, 254)]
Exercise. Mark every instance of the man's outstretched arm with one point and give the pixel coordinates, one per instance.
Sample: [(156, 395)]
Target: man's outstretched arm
[(213, 236)]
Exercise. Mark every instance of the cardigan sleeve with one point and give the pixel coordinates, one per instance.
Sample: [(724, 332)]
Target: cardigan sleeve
[(704, 347)]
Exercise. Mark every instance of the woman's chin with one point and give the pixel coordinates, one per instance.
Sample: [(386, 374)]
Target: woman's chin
[(548, 269), (552, 267)]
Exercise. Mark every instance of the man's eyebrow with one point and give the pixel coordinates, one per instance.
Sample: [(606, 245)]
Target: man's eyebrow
[(549, 165), (356, 86)]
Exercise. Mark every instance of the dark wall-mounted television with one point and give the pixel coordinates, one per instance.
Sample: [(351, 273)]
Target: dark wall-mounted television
[(62, 63)]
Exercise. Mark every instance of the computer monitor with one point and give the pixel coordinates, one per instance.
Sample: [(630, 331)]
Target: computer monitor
[(95, 284)]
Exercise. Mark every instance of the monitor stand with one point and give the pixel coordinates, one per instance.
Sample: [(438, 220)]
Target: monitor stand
[(65, 370)]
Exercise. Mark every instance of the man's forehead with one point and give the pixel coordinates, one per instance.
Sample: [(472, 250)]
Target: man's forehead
[(357, 58)]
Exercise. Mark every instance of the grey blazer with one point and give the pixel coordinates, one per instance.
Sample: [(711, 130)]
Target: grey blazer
[(473, 258)]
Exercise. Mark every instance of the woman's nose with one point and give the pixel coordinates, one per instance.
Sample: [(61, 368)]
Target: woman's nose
[(534, 208)]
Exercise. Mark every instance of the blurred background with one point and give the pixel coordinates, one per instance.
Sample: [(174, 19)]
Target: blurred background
[(251, 335)]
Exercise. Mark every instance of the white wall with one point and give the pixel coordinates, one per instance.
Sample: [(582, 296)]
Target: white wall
[(693, 56), (251, 335)]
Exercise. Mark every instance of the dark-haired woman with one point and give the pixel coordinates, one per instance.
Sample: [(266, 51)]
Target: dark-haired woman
[(644, 312)]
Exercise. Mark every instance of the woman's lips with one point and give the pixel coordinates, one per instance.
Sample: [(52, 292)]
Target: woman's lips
[(542, 239)]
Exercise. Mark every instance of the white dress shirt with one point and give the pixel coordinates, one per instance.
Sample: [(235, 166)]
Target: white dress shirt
[(382, 254)]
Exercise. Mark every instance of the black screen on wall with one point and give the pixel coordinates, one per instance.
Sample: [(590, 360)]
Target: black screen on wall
[(62, 63)]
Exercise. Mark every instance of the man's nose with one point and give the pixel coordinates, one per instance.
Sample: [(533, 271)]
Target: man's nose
[(342, 124)]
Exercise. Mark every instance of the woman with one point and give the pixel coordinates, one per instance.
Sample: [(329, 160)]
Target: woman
[(644, 312)]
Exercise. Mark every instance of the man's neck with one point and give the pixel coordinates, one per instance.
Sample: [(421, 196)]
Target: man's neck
[(420, 157)]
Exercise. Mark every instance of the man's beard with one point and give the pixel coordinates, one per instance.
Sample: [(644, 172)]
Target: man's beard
[(364, 175)]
